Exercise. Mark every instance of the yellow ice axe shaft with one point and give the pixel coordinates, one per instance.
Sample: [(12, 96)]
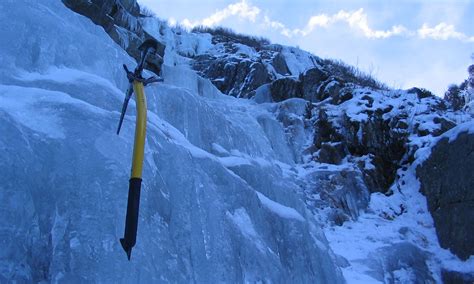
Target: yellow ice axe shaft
[(140, 130), (131, 222)]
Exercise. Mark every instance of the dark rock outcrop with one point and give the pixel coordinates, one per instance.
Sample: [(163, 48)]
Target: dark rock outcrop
[(233, 76), (381, 139), (337, 93), (454, 277), (444, 125), (420, 93), (325, 130), (447, 181), (279, 63), (285, 88), (310, 82), (331, 152), (120, 19)]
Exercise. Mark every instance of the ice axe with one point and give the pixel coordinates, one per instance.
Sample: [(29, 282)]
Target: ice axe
[(137, 86)]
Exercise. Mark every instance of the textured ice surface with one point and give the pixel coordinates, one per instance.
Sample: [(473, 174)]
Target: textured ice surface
[(216, 205)]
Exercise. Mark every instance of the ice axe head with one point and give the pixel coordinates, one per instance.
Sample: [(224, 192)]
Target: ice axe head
[(149, 45)]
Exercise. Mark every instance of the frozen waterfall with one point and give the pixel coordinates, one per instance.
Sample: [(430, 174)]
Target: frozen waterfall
[(219, 200)]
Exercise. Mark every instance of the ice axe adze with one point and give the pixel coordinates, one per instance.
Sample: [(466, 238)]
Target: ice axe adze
[(137, 84)]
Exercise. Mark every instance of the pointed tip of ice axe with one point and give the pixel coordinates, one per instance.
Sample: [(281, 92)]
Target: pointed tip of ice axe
[(124, 107), (126, 248)]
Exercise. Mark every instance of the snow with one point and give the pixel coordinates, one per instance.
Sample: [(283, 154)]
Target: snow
[(245, 50), (424, 153), (280, 210), (452, 134), (298, 60), (219, 150), (230, 162)]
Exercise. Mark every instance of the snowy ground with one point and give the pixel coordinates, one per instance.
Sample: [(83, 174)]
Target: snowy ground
[(399, 218)]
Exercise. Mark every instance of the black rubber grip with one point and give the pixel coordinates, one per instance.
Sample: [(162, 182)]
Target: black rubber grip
[(131, 221)]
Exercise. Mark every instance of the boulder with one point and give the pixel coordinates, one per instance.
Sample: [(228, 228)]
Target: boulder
[(444, 125), (279, 64), (330, 89), (257, 77), (454, 277), (285, 88), (310, 81), (331, 153), (341, 96), (447, 181), (345, 192)]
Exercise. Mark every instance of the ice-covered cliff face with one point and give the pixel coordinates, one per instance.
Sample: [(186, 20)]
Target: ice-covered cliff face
[(220, 200)]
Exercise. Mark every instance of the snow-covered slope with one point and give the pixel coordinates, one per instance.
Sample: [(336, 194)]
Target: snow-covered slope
[(217, 203)]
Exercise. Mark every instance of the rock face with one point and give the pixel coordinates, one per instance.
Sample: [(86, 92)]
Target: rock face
[(279, 63), (447, 180), (234, 76), (382, 139), (454, 277), (119, 18), (285, 88), (378, 132), (240, 67), (310, 81)]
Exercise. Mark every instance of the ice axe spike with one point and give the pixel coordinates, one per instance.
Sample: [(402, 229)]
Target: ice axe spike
[(128, 95)]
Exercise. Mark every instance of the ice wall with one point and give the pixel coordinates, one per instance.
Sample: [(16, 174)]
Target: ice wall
[(218, 203)]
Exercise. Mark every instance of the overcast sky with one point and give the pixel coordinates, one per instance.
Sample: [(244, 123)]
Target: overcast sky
[(403, 43)]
